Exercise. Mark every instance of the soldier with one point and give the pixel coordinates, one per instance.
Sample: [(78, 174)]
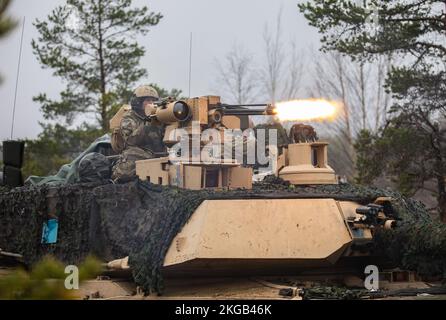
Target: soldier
[(141, 140)]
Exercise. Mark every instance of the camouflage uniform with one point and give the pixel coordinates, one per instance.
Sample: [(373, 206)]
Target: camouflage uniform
[(141, 141)]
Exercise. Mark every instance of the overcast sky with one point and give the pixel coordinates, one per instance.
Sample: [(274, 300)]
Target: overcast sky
[(216, 26)]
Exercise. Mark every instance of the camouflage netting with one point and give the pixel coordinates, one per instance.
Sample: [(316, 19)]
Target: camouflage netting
[(343, 293), (140, 220), (24, 210)]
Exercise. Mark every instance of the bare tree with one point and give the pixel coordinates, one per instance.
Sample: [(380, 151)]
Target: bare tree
[(383, 98), (363, 103), (294, 66), (278, 76), (281, 71), (271, 72), (236, 75)]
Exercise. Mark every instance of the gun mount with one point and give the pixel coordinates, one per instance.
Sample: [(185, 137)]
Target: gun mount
[(303, 161), (189, 119)]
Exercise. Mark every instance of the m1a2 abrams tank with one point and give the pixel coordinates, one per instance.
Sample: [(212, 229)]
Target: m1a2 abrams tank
[(268, 233), (197, 213)]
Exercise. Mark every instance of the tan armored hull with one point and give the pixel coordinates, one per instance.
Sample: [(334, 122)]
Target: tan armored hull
[(261, 236)]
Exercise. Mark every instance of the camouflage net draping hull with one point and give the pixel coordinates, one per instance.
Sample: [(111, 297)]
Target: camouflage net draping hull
[(140, 220)]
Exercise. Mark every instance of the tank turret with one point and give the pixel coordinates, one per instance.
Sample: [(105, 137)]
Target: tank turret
[(263, 234)]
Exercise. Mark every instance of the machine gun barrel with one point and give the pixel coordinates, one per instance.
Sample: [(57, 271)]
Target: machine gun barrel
[(245, 110), (169, 111)]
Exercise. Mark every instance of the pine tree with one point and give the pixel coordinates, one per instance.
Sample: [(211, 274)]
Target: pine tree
[(164, 93), (90, 45), (6, 23), (412, 145)]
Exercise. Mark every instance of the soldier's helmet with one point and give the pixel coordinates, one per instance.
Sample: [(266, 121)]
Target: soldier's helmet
[(146, 91)]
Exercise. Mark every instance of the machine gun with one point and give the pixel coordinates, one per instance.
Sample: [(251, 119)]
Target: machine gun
[(181, 109), (207, 111), (374, 215), (193, 116)]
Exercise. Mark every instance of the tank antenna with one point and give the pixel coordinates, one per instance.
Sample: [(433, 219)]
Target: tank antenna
[(17, 78), (190, 61)]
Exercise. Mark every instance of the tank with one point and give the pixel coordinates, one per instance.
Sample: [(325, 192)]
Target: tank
[(188, 217), (259, 236)]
